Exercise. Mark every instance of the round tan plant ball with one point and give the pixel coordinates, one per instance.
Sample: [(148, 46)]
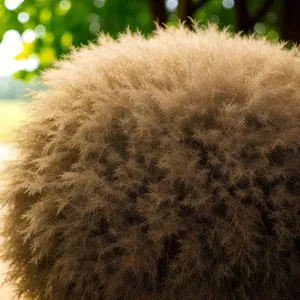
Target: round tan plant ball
[(160, 168)]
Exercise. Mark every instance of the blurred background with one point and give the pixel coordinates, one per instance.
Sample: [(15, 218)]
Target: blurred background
[(34, 33)]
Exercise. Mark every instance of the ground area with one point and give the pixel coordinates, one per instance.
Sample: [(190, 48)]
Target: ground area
[(11, 113), (6, 292)]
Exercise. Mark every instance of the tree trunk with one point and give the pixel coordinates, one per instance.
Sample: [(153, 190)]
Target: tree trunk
[(183, 9), (241, 15), (290, 21), (158, 10)]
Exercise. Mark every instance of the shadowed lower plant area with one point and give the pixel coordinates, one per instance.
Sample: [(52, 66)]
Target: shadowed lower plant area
[(158, 169)]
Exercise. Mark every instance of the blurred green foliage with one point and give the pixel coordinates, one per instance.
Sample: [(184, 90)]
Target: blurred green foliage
[(58, 25)]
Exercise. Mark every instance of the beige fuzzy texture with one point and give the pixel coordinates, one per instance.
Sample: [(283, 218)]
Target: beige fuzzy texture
[(158, 169)]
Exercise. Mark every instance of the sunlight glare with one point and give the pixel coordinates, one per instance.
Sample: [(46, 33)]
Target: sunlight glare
[(12, 4), (10, 46), (28, 36)]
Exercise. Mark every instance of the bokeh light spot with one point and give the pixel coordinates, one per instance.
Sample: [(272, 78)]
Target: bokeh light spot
[(273, 35), (228, 4), (23, 17), (28, 36), (214, 19), (47, 55), (12, 4), (40, 31), (99, 3), (65, 5), (93, 18), (260, 28), (171, 5), (94, 27), (45, 15), (66, 39), (32, 63), (11, 35)]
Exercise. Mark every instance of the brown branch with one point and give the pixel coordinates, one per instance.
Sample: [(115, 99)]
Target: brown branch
[(159, 11)]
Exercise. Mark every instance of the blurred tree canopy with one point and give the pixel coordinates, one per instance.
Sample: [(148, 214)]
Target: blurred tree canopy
[(54, 26)]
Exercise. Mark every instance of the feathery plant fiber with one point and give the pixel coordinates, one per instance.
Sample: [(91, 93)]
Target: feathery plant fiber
[(157, 169)]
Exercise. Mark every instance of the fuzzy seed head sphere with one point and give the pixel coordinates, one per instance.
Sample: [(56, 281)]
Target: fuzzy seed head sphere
[(159, 169)]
